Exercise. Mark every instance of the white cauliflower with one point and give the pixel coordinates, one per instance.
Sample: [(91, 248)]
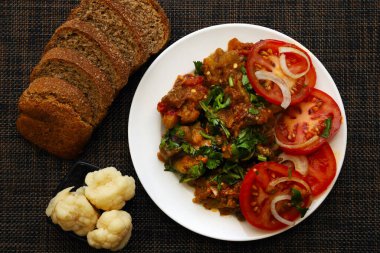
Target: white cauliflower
[(108, 190), (72, 212), (114, 228)]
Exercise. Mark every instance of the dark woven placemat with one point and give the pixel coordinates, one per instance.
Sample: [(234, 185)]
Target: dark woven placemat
[(344, 35)]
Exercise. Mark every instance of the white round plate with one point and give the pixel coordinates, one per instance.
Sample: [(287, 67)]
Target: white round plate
[(145, 130)]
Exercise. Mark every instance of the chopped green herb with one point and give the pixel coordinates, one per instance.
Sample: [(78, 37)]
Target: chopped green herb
[(261, 158), (219, 104), (206, 136), (231, 81), (198, 68), (194, 172), (253, 111), (243, 70), (245, 144), (169, 167), (326, 131), (257, 172), (253, 98), (213, 119), (230, 174), (245, 80), (296, 201), (217, 99), (188, 149), (214, 158)]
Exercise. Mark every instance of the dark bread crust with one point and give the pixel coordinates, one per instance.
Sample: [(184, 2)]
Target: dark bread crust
[(100, 93), (104, 45)]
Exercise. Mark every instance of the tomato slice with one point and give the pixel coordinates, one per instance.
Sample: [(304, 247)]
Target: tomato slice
[(265, 56), (322, 169), (303, 128), (256, 195)]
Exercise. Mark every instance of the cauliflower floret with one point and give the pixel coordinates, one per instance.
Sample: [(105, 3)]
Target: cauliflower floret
[(108, 189), (72, 212), (114, 228)]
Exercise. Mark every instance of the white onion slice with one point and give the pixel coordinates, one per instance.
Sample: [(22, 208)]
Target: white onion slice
[(274, 212), (279, 180), (300, 162), (282, 51), (301, 145), (286, 96), (214, 191)]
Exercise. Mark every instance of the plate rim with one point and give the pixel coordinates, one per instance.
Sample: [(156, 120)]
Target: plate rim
[(249, 26)]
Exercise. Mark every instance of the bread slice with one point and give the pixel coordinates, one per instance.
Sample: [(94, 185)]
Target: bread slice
[(150, 21), (53, 116), (94, 45), (51, 88), (71, 66), (105, 16)]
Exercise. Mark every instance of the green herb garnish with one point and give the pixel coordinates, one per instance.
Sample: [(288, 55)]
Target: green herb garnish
[(261, 158), (206, 136), (231, 174), (194, 172), (326, 131), (198, 68), (253, 111), (245, 144), (231, 81), (213, 119), (214, 157), (297, 200)]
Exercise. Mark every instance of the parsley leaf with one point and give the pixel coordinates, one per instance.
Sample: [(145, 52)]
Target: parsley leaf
[(194, 172), (198, 68), (188, 149), (213, 118), (231, 174), (169, 167), (214, 158), (326, 131), (244, 145), (217, 99), (296, 201), (253, 111)]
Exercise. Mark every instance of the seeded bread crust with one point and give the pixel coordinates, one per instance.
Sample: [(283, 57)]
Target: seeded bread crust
[(53, 125), (106, 16), (93, 84), (107, 57)]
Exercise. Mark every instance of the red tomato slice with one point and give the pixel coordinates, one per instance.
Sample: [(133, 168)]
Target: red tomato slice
[(256, 195), (322, 169), (265, 56), (298, 124)]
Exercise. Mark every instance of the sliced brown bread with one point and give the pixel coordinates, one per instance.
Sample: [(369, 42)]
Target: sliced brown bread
[(53, 115), (150, 20), (105, 16), (94, 45), (51, 88), (71, 66)]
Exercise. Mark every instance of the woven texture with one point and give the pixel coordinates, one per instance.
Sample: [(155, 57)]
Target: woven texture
[(344, 35)]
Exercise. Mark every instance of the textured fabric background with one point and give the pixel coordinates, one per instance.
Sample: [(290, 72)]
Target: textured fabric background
[(344, 35)]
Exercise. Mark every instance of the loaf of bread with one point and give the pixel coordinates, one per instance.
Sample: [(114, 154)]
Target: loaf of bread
[(85, 64)]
